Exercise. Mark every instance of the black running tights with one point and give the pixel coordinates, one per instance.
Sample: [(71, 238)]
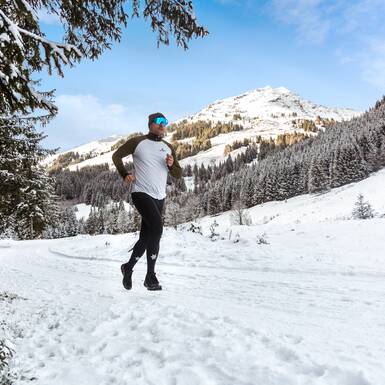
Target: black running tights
[(151, 229)]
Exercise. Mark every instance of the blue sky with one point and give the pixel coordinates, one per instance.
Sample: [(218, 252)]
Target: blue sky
[(330, 52)]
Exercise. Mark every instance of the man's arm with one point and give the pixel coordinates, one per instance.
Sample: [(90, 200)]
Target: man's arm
[(175, 169), (123, 151)]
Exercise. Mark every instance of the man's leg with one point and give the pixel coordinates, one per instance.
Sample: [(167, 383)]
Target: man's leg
[(150, 210), (140, 246), (153, 249)]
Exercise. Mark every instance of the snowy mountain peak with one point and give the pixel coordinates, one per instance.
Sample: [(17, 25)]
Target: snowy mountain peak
[(110, 139), (268, 103), (282, 90)]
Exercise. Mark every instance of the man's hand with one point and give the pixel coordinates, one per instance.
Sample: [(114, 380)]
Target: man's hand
[(129, 178), (169, 160)]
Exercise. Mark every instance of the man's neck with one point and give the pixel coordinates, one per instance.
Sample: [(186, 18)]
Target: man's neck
[(153, 136)]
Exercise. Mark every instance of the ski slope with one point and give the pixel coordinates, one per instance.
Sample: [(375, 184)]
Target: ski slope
[(306, 307)]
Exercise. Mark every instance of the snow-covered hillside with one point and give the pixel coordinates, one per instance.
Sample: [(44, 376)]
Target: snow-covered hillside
[(94, 149), (269, 103), (335, 204), (264, 111), (295, 298)]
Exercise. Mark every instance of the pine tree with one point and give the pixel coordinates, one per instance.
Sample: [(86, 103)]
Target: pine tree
[(227, 193), (111, 218), (121, 206), (229, 165), (71, 223), (101, 224), (91, 225), (37, 207), (7, 376), (123, 222), (134, 220), (89, 28), (188, 170), (214, 201), (81, 226), (7, 229), (319, 177), (349, 164), (66, 225), (172, 215), (27, 191), (192, 207), (247, 191), (362, 210)]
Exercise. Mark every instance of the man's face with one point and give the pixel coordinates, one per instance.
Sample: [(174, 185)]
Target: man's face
[(158, 129)]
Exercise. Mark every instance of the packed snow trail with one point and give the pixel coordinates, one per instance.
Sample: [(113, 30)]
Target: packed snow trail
[(307, 308)]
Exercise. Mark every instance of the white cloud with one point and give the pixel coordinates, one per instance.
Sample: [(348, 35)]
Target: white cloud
[(344, 57), (373, 63), (355, 28), (318, 20), (363, 16), (310, 17), (84, 118)]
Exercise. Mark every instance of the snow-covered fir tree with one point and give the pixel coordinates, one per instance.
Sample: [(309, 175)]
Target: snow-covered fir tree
[(173, 214), (37, 207), (111, 218), (214, 200), (28, 203), (124, 221), (191, 207), (7, 376), (362, 209), (66, 225), (88, 29), (319, 172), (91, 225)]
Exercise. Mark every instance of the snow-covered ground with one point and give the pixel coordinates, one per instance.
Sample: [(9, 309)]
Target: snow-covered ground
[(306, 307)]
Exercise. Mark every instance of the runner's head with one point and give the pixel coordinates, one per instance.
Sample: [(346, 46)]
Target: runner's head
[(157, 123)]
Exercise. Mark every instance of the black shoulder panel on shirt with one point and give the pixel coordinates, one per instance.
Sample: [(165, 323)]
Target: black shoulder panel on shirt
[(125, 150)]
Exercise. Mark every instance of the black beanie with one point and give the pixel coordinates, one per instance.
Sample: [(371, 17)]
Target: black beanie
[(153, 116)]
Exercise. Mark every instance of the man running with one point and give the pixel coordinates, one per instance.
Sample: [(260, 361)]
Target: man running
[(153, 158)]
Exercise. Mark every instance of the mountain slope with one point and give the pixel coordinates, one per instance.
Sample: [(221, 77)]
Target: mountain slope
[(266, 111), (268, 104), (336, 204), (93, 149)]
